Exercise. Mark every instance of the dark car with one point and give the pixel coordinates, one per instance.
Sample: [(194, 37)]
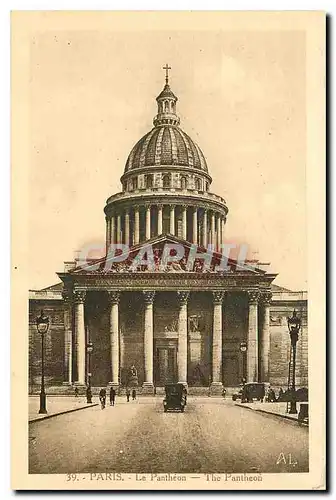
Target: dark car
[(301, 395), (176, 397), (249, 392)]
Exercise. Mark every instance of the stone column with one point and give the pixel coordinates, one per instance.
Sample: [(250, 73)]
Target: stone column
[(219, 230), (195, 223), (79, 299), (223, 230), (205, 228), (127, 228), (114, 298), (136, 225), (182, 354), (184, 222), (148, 222), (252, 337), (159, 223), (118, 228), (148, 386), (213, 231), (108, 233), (265, 336), (172, 220), (67, 297), (112, 235), (217, 343)]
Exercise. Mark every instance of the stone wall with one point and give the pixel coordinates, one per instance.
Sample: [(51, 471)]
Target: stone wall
[(280, 345), (53, 342)]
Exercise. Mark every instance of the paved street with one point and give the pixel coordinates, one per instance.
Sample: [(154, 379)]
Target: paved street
[(211, 436)]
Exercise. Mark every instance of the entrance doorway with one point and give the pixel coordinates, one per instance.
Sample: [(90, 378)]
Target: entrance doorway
[(230, 370), (165, 365)]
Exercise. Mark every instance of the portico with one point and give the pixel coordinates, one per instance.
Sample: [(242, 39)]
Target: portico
[(173, 326)]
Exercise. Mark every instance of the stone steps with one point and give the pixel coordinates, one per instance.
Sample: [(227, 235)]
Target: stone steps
[(69, 390)]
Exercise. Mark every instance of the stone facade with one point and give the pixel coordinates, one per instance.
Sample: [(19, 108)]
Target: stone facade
[(174, 322), (165, 338)]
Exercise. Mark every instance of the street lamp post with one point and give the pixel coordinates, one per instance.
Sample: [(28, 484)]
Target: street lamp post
[(89, 350), (243, 350), (294, 325), (42, 325)]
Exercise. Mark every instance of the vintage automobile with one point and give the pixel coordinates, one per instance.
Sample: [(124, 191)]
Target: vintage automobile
[(249, 392), (176, 397), (303, 416)]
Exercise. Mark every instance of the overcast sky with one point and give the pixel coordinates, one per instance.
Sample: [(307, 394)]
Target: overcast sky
[(241, 98)]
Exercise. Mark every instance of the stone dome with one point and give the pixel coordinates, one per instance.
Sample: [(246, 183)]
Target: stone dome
[(166, 145)]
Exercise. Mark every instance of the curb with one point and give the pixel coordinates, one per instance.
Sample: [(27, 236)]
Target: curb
[(61, 413), (293, 419)]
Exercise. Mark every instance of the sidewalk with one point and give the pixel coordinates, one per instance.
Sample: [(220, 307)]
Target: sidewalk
[(278, 409), (56, 405)]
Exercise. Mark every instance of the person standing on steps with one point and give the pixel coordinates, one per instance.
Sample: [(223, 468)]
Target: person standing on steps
[(133, 394), (128, 393)]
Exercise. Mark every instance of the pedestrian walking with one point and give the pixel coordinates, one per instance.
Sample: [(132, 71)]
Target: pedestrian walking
[(76, 392), (128, 394), (133, 394), (102, 398), (280, 395), (88, 395), (112, 396), (224, 392)]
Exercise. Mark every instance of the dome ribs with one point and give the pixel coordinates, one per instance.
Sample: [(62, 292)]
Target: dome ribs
[(182, 152), (129, 163), (187, 141), (166, 148), (201, 157), (151, 148), (166, 145), (136, 159), (197, 161), (174, 150), (158, 147), (143, 155)]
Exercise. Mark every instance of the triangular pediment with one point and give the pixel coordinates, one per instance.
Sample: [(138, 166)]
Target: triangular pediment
[(165, 253)]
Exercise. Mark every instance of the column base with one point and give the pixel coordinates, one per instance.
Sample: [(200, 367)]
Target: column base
[(184, 383), (147, 388), (216, 389), (68, 384), (115, 385), (79, 384)]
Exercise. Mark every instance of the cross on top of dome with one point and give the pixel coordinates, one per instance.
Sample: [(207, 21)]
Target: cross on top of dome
[(167, 68)]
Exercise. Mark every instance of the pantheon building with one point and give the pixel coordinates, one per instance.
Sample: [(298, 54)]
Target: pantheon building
[(174, 318)]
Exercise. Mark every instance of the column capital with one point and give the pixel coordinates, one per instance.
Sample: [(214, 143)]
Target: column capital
[(114, 296), (266, 297), (67, 295), (148, 206), (79, 296), (253, 296), (218, 297), (172, 206), (159, 206), (148, 296), (183, 297)]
